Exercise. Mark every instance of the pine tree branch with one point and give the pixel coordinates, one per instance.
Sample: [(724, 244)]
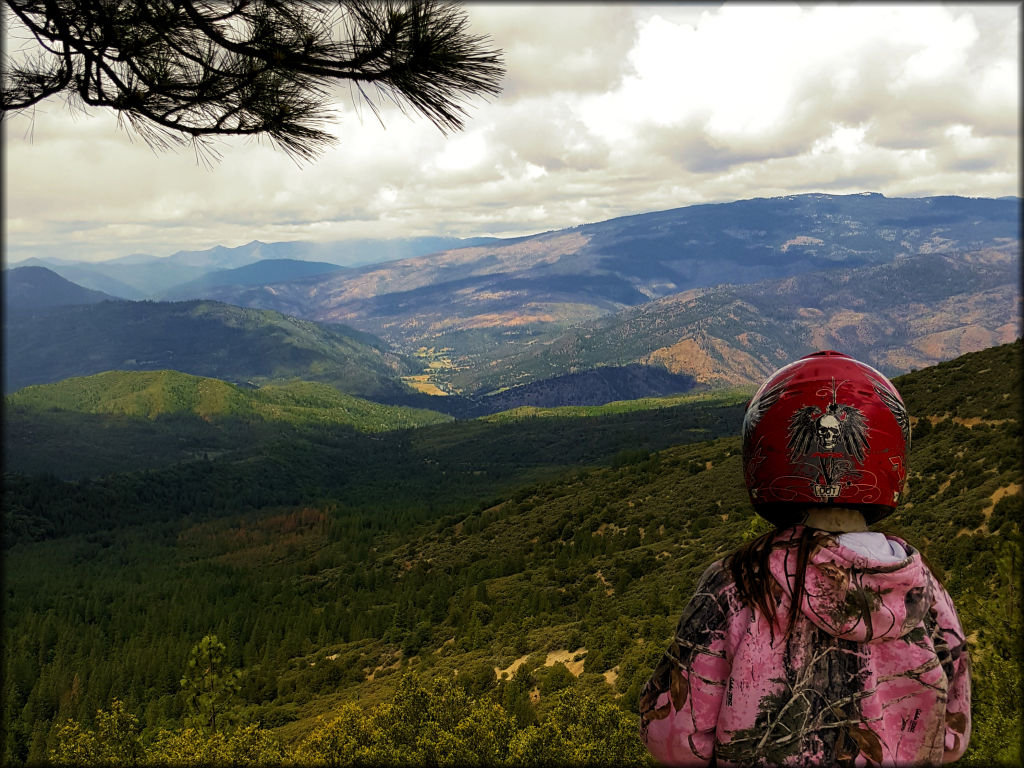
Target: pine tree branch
[(185, 70)]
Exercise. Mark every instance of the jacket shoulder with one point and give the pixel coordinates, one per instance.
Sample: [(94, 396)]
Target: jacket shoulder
[(716, 578)]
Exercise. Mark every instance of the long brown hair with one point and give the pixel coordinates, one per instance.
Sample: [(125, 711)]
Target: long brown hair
[(753, 579)]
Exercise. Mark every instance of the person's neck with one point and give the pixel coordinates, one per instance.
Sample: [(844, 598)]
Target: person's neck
[(835, 519)]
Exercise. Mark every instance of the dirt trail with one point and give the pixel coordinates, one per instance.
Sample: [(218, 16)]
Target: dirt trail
[(566, 657), (1012, 489), (553, 657), (510, 670)]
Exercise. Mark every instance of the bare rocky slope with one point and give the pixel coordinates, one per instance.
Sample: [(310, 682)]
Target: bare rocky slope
[(902, 316)]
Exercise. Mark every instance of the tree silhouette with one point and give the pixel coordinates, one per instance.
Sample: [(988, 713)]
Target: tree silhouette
[(180, 71)]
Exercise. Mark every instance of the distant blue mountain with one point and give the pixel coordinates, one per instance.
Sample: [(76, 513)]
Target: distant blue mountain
[(37, 288), (345, 253), (128, 279), (140, 276), (87, 275), (261, 273)]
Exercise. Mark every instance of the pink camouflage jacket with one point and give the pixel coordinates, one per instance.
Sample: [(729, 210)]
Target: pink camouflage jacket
[(876, 671)]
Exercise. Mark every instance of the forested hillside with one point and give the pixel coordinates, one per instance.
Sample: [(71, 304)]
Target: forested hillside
[(119, 421), (203, 338), (537, 595), (166, 465)]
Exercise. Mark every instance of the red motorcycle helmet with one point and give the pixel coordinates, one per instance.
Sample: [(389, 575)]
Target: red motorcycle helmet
[(825, 430)]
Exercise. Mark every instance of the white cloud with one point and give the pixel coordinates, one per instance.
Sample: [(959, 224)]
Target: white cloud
[(461, 153), (608, 109), (844, 139), (555, 48)]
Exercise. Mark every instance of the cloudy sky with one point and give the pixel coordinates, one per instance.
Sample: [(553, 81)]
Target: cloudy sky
[(607, 110)]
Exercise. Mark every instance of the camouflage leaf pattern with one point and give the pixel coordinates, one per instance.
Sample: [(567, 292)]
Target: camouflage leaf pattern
[(875, 672)]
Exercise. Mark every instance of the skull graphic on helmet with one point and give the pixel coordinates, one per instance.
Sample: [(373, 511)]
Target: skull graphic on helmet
[(828, 432)]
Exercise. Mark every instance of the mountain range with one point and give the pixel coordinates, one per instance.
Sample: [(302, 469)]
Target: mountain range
[(469, 298), (141, 276), (701, 297)]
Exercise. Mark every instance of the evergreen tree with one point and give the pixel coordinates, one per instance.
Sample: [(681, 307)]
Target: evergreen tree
[(210, 685)]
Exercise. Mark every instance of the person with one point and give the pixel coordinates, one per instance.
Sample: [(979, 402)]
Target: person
[(820, 642)]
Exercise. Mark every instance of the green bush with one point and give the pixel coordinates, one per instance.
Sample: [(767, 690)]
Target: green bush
[(579, 730), (116, 741), (439, 725)]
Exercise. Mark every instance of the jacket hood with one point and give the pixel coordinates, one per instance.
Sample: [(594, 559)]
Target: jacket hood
[(853, 595)]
